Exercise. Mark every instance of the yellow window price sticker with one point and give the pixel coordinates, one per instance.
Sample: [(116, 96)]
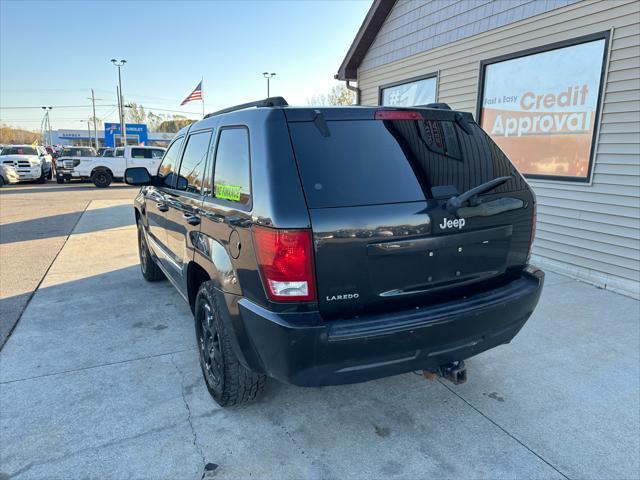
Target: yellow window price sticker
[(228, 192)]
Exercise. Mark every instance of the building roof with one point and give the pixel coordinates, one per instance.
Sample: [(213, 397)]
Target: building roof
[(370, 27)]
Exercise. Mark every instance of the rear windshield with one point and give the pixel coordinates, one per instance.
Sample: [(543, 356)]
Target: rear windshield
[(19, 151), (369, 162)]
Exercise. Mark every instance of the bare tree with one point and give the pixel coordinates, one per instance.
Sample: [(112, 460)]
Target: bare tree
[(13, 135), (338, 95)]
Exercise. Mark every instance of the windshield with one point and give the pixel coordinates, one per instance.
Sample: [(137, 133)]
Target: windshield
[(19, 151), (78, 152)]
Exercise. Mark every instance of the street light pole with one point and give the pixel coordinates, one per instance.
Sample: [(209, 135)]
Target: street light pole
[(268, 76), (123, 127)]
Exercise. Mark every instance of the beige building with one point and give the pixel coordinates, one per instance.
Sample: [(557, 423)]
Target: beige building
[(556, 83)]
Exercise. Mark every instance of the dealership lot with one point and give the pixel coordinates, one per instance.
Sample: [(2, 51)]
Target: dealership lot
[(100, 378)]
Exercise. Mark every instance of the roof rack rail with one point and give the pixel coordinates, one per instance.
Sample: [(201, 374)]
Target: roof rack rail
[(267, 102)]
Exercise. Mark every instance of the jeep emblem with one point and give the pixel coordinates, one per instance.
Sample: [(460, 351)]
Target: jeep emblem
[(457, 223)]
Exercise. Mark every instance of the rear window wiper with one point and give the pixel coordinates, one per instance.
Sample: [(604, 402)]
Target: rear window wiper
[(456, 202)]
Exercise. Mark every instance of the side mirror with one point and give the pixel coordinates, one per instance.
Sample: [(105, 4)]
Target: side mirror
[(137, 176)]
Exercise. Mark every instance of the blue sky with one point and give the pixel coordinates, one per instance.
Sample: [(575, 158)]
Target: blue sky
[(53, 52)]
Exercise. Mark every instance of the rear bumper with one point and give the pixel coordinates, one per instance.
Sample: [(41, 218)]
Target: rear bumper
[(300, 349)]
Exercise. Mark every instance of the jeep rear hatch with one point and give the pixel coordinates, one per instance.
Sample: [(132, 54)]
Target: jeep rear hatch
[(392, 226)]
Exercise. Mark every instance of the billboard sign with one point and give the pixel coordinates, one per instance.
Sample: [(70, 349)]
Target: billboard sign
[(541, 108), (136, 134)]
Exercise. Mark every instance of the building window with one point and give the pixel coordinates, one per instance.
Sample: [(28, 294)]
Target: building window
[(541, 106), (409, 93)]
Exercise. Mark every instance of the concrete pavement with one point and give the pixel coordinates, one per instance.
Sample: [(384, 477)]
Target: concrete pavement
[(35, 221), (100, 379)]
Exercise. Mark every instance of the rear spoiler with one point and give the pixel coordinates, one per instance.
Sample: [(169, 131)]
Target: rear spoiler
[(369, 113)]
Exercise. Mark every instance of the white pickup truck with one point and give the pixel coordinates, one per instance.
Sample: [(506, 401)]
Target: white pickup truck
[(103, 170), (30, 162)]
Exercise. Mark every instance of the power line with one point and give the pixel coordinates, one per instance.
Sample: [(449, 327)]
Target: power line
[(58, 106)]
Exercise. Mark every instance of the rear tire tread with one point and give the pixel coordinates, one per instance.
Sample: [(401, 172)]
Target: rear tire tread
[(239, 384)]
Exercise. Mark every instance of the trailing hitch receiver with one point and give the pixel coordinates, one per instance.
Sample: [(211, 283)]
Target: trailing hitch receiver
[(455, 372)]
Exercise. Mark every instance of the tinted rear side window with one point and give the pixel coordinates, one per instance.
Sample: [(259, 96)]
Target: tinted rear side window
[(232, 175), (370, 162), (141, 153)]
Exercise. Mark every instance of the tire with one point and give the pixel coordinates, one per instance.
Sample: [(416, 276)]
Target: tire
[(101, 178), (2, 182), (43, 177), (150, 269), (227, 380), (60, 180), (50, 174)]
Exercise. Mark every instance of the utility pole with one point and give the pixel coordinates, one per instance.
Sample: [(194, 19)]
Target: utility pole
[(89, 132), (268, 76), (123, 127), (47, 123), (95, 120)]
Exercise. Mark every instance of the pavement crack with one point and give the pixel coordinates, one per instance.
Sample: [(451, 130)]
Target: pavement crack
[(189, 419), (443, 383), (90, 367), (93, 448)]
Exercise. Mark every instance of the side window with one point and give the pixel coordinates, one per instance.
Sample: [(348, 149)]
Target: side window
[(141, 153), (193, 163), (232, 175), (157, 153), (169, 166), (119, 152)]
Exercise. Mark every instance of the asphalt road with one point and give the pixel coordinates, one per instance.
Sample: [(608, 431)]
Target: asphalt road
[(35, 222)]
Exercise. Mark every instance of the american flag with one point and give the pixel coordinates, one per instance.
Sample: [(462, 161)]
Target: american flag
[(195, 95)]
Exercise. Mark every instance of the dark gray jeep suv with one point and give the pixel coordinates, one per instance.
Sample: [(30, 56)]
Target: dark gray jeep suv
[(322, 246)]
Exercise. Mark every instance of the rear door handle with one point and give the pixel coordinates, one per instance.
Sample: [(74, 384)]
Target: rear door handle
[(214, 217), (162, 207), (191, 219)]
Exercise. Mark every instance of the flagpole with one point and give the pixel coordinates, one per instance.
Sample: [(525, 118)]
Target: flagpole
[(202, 95)]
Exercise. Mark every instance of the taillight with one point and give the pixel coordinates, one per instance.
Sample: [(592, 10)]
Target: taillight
[(397, 115), (285, 258), (533, 230)]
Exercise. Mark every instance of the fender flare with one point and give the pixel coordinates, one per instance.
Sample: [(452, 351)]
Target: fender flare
[(101, 168)]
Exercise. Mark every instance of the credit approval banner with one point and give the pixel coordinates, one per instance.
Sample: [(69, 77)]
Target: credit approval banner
[(541, 108)]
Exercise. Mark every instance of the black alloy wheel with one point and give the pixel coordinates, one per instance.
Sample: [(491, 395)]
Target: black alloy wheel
[(209, 344)]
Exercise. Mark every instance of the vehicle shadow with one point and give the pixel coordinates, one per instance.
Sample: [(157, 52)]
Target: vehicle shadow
[(63, 224)]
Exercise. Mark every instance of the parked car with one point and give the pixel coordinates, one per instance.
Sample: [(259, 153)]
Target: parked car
[(31, 162), (8, 175), (324, 246), (68, 158), (103, 170)]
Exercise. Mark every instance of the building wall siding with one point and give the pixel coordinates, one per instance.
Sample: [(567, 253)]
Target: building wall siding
[(418, 25), (591, 231)]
